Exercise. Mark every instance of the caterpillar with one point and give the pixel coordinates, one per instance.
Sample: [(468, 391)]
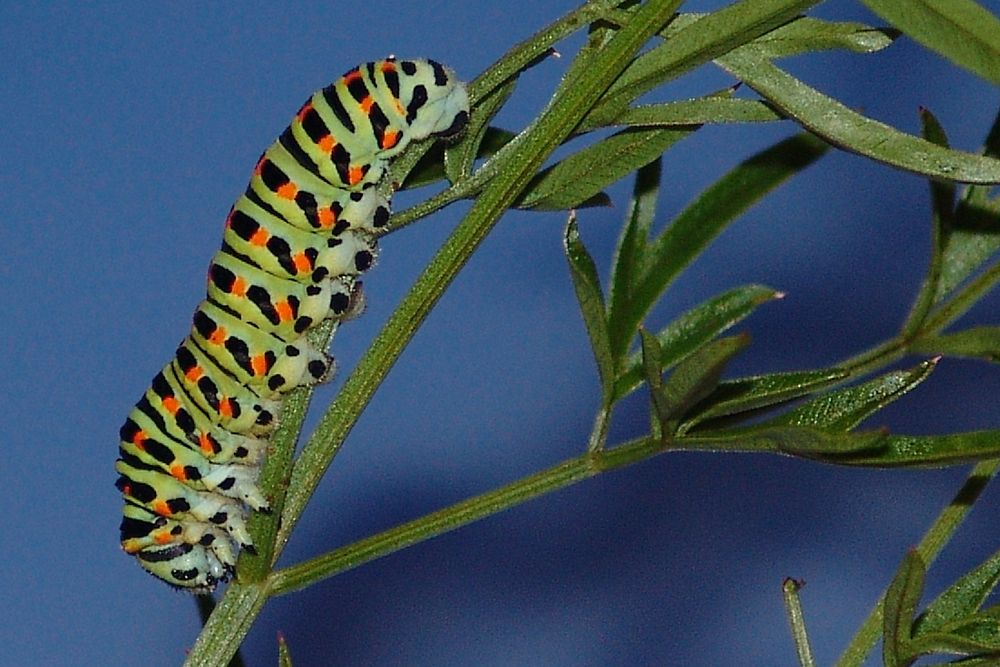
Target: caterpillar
[(292, 248)]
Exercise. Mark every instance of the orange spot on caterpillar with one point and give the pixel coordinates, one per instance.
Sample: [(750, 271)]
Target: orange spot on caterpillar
[(284, 310), (326, 144), (171, 404), (390, 139), (354, 175), (353, 75), (218, 336), (302, 263), (306, 108), (326, 218), (388, 66), (162, 508), (259, 238), (194, 373), (131, 546), (366, 104), (239, 287), (225, 408), (287, 191), (205, 443), (163, 537), (259, 365), (177, 472), (139, 439)]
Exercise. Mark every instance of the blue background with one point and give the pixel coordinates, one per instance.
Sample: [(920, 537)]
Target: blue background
[(128, 129)]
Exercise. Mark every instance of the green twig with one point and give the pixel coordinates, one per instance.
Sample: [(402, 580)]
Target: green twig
[(218, 641), (559, 476), (793, 608), (582, 85)]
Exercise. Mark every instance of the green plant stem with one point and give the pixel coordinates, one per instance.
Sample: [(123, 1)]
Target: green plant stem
[(944, 314), (793, 608), (254, 567), (962, 300), (510, 65), (582, 85), (557, 477), (930, 546), (218, 642)]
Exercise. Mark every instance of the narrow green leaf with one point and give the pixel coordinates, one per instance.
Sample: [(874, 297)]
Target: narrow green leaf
[(932, 451), (696, 376), (650, 349), (698, 40), (842, 410), (586, 173), (977, 342), (955, 643), (697, 112), (588, 294), (972, 237), (735, 397), (942, 216), (431, 166), (975, 633), (694, 329), (981, 630), (851, 131), (802, 441), (460, 158), (626, 266), (900, 605), (971, 242), (284, 655), (960, 30), (708, 215), (960, 599), (806, 34)]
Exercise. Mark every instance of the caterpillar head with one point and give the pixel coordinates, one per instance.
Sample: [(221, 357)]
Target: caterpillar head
[(437, 103)]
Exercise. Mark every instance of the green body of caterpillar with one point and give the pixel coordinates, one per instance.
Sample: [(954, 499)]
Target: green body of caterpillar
[(293, 245)]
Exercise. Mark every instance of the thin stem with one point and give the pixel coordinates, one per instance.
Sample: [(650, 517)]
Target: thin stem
[(255, 566), (559, 476), (222, 635), (584, 84), (962, 300), (930, 546), (522, 158), (599, 432), (793, 609)]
